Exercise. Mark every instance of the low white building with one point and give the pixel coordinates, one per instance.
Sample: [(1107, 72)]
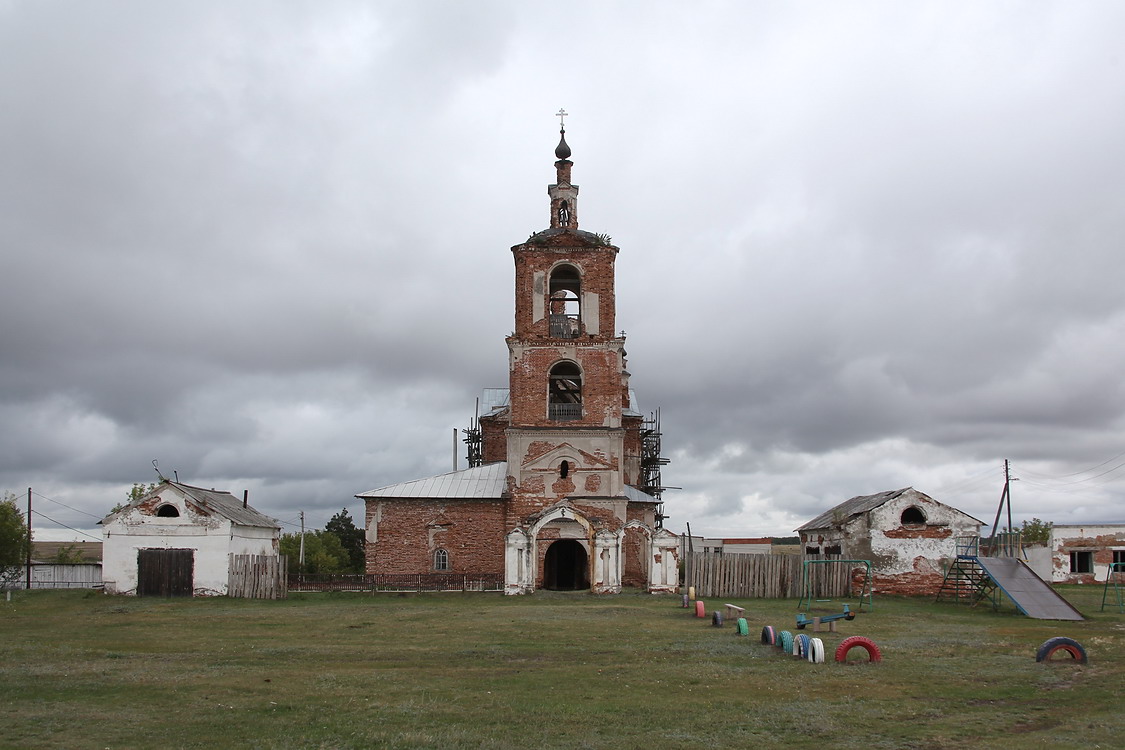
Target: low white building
[(907, 535), (177, 540), (1082, 553)]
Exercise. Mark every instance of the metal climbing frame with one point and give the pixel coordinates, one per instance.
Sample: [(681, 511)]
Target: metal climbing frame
[(1114, 568), (864, 591)]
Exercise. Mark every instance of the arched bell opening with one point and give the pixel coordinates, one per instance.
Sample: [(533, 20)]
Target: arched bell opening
[(566, 566)]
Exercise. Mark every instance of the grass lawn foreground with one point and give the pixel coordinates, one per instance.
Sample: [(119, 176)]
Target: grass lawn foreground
[(81, 669)]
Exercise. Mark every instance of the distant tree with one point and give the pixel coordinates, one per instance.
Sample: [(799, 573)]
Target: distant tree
[(323, 553), (14, 539), (68, 555), (1036, 531), (136, 492), (350, 538)]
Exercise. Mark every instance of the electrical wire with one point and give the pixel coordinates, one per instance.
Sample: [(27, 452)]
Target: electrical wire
[(59, 523), (56, 502)]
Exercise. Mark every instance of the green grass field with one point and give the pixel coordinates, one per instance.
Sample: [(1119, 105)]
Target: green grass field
[(85, 670)]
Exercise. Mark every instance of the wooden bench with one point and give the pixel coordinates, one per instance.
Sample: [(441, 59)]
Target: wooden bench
[(733, 612)]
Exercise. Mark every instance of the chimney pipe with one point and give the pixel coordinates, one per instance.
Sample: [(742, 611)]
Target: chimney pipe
[(245, 497)]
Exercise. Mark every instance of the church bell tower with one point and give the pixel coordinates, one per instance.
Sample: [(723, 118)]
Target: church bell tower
[(572, 438)]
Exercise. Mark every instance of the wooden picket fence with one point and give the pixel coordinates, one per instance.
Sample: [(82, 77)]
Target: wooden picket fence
[(763, 576), (258, 577)]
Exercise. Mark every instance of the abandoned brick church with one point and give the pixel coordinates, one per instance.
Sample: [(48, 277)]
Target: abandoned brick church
[(563, 485)]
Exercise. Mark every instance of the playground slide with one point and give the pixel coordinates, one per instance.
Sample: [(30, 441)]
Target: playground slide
[(1030, 593)]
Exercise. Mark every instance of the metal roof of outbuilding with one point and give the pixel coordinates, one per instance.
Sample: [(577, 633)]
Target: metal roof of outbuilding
[(859, 505)]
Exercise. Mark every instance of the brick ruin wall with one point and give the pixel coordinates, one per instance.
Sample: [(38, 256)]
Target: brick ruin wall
[(409, 531)]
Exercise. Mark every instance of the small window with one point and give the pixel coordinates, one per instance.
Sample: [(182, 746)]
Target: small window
[(1119, 557), (1082, 562), (833, 550), (168, 511), (441, 559), (913, 516), (812, 550), (564, 469)]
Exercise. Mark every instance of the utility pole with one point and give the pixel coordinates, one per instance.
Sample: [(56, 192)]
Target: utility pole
[(301, 557), (29, 538), (1005, 500)]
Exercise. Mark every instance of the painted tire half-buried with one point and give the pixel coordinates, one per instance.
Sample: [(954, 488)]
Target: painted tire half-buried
[(785, 641), (801, 646), (1056, 645), (816, 651), (686, 604), (769, 635), (717, 619), (858, 641), (700, 609), (741, 627)]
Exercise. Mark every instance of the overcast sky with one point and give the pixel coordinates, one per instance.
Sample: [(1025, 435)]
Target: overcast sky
[(864, 246)]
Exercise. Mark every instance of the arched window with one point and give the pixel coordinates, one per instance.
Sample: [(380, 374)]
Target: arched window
[(168, 511), (564, 469), (565, 290), (564, 394), (913, 516), (441, 559)]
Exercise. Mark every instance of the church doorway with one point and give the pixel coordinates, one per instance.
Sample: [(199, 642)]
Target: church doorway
[(565, 566)]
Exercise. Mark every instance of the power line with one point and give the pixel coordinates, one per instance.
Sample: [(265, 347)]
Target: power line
[(1077, 481), (76, 531), (56, 502)]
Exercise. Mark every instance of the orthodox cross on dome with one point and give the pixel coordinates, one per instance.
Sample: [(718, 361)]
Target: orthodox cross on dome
[(562, 151)]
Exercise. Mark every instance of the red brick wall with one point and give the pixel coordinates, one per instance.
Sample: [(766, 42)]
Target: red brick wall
[(635, 569), (495, 444), (596, 268), (473, 535), (601, 384)]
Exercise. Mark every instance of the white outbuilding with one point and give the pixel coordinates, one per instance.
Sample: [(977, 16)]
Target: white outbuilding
[(908, 537), (178, 540)]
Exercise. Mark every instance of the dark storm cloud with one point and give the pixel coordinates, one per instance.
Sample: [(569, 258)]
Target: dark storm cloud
[(862, 246)]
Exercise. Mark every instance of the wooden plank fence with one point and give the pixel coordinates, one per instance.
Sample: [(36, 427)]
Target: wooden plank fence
[(257, 577), (763, 576)]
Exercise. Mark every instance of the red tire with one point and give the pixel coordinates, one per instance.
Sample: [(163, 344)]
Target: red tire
[(858, 641), (769, 635), (1053, 646), (700, 609)]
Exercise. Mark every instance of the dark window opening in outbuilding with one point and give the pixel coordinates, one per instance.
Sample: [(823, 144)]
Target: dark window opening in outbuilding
[(1119, 558), (913, 517), (168, 511), (564, 396), (564, 469), (1082, 562), (812, 550), (833, 550), (441, 559), (565, 290)]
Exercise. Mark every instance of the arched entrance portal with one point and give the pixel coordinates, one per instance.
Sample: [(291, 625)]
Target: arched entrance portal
[(565, 566)]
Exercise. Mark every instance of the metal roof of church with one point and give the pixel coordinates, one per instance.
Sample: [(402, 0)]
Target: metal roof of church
[(487, 481), (480, 481)]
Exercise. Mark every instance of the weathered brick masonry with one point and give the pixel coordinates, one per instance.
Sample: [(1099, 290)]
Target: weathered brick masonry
[(565, 511)]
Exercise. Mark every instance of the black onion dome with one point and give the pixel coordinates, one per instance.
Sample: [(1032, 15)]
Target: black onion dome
[(562, 151)]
